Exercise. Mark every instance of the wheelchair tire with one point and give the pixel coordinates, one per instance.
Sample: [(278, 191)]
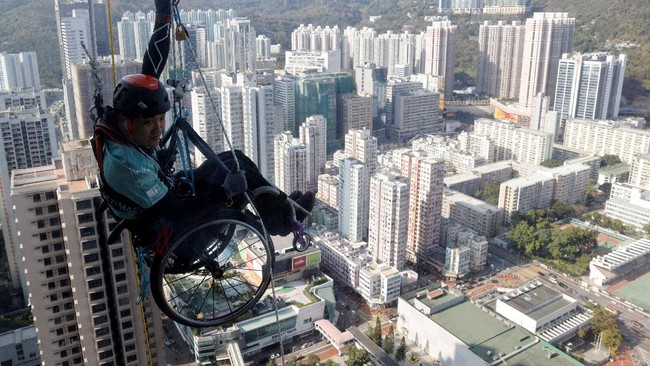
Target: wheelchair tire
[(223, 275)]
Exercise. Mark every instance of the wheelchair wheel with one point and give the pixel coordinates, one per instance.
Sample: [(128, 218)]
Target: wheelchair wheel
[(214, 272)]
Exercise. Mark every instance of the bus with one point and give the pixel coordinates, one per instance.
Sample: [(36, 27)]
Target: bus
[(612, 309)]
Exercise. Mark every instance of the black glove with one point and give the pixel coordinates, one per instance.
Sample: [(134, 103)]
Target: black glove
[(235, 184), (166, 159), (163, 7)]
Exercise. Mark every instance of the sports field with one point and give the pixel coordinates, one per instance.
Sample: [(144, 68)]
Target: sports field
[(636, 291)]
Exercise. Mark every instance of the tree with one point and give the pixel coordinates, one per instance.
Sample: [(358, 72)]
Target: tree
[(400, 354), (569, 243), (292, 361), (608, 160), (551, 163), (581, 333), (602, 320), (328, 362), (312, 360), (612, 340), (560, 210), (357, 357), (375, 333), (490, 194), (272, 362), (389, 341)]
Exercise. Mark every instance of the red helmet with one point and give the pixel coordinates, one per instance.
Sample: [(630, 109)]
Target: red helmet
[(139, 95)]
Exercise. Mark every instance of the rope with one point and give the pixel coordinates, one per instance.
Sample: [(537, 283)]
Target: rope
[(248, 197), (141, 303), (110, 30), (212, 103)]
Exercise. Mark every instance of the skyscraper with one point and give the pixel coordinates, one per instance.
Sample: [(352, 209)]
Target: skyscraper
[(205, 120), (290, 163), (313, 136), (353, 199), (588, 86), (317, 94), (28, 140), (361, 145), (499, 59), (388, 219), (416, 113), (82, 290), (425, 203), (19, 70), (441, 54), (548, 36), (354, 113)]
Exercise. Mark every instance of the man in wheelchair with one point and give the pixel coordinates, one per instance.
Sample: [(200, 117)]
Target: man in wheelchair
[(134, 179)]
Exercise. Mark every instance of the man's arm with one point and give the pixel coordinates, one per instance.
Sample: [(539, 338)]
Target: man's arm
[(157, 52)]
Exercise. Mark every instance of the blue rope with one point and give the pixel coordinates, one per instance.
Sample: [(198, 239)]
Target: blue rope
[(141, 254)]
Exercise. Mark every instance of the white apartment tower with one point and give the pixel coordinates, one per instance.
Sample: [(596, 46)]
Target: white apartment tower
[(313, 134), (425, 203), (205, 120), (260, 127), (134, 31), (640, 172), (290, 163), (232, 113), (588, 86), (603, 137), (548, 37), (353, 199), (28, 140), (388, 219), (82, 290), (500, 52), (441, 54), (515, 143), (19, 70), (361, 145)]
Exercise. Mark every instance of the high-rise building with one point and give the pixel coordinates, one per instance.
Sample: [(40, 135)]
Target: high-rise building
[(313, 135), (284, 94), (134, 31), (602, 137), (425, 203), (361, 145), (588, 86), (353, 199), (371, 80), (441, 54), (82, 290), (318, 94), (232, 113), (19, 70), (290, 163), (394, 88), (297, 62), (83, 86), (515, 143), (354, 113), (548, 36), (471, 212), (315, 38), (28, 140), (416, 113), (260, 126), (525, 194), (499, 59), (640, 172), (388, 219), (205, 120)]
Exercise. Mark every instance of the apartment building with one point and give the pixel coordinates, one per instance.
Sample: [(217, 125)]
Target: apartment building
[(470, 212)]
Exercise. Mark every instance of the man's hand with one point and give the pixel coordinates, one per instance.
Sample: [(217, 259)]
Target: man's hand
[(235, 184)]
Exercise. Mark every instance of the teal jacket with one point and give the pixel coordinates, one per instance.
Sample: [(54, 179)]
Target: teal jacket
[(132, 174)]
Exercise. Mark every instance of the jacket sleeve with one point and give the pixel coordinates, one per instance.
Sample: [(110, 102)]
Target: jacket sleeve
[(157, 52)]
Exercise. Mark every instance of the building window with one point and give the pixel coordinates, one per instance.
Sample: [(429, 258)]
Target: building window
[(104, 343), (118, 264), (89, 244), (100, 320), (38, 211), (106, 354), (36, 197), (40, 224), (93, 271), (90, 258), (101, 332), (54, 221), (86, 217), (52, 208), (50, 195), (95, 283), (122, 289), (96, 295), (127, 325), (124, 313), (87, 231), (84, 205), (120, 277), (117, 252)]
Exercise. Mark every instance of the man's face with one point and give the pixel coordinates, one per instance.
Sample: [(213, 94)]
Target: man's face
[(146, 131)]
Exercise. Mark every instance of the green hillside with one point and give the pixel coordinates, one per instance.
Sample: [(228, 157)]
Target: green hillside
[(29, 25)]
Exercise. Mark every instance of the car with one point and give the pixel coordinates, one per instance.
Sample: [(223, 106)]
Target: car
[(541, 273), (561, 284), (637, 324), (494, 281), (275, 355)]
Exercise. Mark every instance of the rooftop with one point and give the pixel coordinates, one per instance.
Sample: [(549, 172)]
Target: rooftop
[(527, 299), (488, 337)]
